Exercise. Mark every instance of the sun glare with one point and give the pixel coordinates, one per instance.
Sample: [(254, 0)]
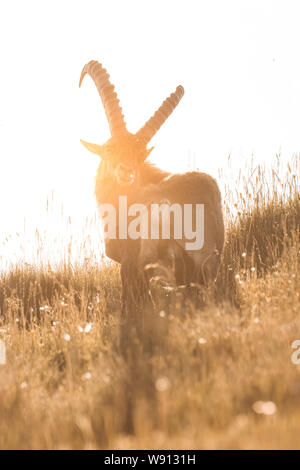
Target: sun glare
[(149, 297), (241, 96)]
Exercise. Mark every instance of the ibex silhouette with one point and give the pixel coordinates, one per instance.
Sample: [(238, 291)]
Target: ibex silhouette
[(123, 170)]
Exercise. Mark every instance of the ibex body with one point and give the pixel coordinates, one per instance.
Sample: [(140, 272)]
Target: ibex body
[(123, 171)]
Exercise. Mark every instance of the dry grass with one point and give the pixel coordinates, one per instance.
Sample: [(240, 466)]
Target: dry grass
[(66, 386)]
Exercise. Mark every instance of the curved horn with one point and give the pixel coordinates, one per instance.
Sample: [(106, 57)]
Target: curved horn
[(108, 96), (146, 133)]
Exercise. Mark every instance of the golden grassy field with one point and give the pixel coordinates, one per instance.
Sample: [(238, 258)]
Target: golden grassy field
[(219, 378)]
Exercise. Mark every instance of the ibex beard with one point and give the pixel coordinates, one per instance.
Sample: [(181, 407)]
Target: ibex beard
[(124, 173)]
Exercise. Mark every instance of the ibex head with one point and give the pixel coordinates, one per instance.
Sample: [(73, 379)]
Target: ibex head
[(124, 152)]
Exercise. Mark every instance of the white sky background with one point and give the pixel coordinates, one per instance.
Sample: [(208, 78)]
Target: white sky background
[(238, 60)]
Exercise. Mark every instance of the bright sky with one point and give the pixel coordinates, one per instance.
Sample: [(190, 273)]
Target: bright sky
[(237, 60)]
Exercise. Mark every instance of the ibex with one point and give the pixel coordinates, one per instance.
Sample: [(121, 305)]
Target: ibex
[(124, 171)]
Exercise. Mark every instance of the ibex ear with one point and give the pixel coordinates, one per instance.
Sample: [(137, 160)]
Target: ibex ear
[(94, 148)]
